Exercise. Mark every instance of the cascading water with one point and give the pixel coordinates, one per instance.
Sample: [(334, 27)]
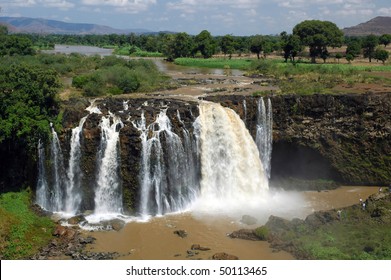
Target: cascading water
[(212, 166), (57, 193), (42, 196), (168, 171), (264, 135), (73, 192), (232, 172), (108, 194)]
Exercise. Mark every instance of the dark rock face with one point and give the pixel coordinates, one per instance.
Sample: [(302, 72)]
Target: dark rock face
[(341, 137)]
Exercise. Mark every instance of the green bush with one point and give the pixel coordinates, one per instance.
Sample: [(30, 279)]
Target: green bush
[(262, 232)]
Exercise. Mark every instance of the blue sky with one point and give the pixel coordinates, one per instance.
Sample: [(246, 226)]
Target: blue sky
[(220, 17)]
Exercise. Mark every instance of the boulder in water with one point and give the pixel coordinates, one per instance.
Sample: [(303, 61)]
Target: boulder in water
[(117, 224), (248, 220), (181, 233), (246, 234), (76, 220), (199, 247)]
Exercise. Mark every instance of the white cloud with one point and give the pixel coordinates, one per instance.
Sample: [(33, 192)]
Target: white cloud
[(385, 11), (123, 6), (191, 6), (62, 4)]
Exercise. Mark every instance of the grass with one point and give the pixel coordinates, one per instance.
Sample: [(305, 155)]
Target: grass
[(22, 232), (359, 234), (305, 78), (241, 64), (136, 52)]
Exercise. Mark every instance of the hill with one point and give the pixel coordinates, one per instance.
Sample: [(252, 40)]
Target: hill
[(376, 26), (45, 26)]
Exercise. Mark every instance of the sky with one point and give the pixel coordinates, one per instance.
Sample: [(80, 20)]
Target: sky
[(220, 17)]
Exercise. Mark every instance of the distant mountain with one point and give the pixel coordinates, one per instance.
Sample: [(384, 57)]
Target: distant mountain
[(376, 26), (45, 26)]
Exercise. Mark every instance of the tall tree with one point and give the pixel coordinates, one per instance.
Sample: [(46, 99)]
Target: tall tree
[(291, 46), (256, 45), (318, 35), (385, 39), (178, 45), (381, 55), (205, 44), (369, 45), (227, 45)]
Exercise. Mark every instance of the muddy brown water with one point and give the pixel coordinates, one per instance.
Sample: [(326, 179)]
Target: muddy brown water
[(155, 239)]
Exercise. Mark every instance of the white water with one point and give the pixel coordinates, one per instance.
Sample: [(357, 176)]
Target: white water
[(264, 135), (108, 194), (233, 177), (42, 196), (168, 169), (57, 193), (73, 192)]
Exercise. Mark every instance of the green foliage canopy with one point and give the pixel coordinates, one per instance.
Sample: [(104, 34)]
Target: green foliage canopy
[(318, 35), (27, 103)]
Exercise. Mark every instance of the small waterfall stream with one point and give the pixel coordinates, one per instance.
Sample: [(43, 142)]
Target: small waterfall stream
[(108, 194), (73, 193), (264, 135)]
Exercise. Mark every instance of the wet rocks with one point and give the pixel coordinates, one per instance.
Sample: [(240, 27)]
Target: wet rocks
[(181, 233), (199, 247), (246, 234), (248, 220), (224, 256), (76, 220)]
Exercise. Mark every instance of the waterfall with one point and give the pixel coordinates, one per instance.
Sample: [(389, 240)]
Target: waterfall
[(264, 135), (42, 196), (73, 191), (245, 109), (108, 194), (168, 170), (57, 193), (231, 169)]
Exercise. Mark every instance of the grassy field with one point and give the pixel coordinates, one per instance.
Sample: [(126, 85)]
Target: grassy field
[(219, 63), (137, 53), (22, 232)]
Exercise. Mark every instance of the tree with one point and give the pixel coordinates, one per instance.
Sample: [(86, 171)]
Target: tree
[(385, 39), (381, 55), (256, 45), (27, 105), (205, 44), (338, 56), (318, 35), (369, 45), (291, 46), (349, 57), (354, 48), (16, 45), (178, 45), (227, 45)]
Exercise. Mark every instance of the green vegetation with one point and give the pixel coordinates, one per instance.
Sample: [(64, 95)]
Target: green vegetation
[(222, 63), (22, 232), (318, 35), (114, 76), (262, 232), (353, 234), (134, 51), (28, 104), (307, 78)]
